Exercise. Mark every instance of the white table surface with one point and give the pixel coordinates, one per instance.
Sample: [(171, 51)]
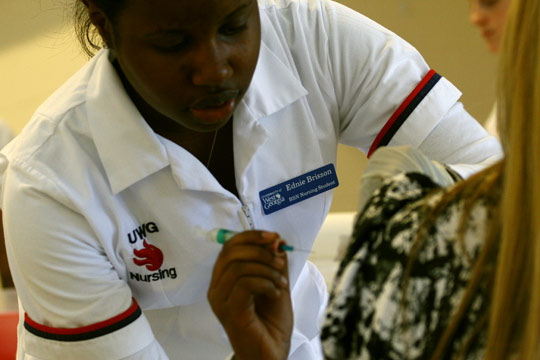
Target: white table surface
[(336, 231)]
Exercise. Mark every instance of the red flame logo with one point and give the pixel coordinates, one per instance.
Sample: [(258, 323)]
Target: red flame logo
[(150, 256)]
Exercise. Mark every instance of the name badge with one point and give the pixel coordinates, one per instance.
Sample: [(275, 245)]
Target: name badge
[(298, 189)]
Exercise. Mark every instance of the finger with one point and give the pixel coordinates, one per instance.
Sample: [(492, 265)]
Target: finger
[(246, 253), (253, 287), (252, 296), (253, 237), (239, 298), (242, 296), (236, 272), (270, 240)]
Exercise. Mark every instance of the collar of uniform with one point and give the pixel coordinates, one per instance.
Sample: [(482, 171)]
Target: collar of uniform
[(128, 148), (274, 85)]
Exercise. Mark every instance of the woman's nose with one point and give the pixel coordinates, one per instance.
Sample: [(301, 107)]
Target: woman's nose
[(211, 65), (477, 14)]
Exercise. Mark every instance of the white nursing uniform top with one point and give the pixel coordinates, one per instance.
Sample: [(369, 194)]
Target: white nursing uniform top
[(105, 220)]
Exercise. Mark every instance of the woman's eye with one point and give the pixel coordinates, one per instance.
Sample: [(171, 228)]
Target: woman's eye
[(169, 43), (169, 46), (233, 29), (489, 3)]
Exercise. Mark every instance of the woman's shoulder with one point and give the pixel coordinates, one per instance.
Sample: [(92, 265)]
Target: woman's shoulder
[(397, 192), (407, 198), (368, 290), (410, 202), (399, 200)]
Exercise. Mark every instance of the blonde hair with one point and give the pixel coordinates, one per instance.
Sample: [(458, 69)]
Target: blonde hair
[(509, 261), (514, 322)]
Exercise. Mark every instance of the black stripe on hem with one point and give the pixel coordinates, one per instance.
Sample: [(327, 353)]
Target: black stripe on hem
[(86, 335), (409, 109)]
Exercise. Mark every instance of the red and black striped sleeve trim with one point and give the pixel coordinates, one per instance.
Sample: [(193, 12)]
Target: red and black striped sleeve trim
[(405, 109), (86, 332)]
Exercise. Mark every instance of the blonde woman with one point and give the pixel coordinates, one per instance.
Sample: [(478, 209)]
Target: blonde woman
[(489, 16), (454, 273), (447, 273)]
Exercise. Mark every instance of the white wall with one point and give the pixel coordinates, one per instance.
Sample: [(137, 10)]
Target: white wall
[(37, 54)]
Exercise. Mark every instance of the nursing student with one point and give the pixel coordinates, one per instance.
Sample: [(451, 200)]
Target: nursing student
[(193, 116)]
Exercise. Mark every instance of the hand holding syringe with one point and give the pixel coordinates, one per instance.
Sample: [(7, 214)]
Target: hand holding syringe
[(249, 292), (221, 236)]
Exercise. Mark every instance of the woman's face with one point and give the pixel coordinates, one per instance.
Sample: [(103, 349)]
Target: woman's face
[(189, 60), (490, 17)]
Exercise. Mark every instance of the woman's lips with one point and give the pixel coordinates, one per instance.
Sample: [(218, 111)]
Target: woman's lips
[(212, 114), (215, 108), (488, 33)]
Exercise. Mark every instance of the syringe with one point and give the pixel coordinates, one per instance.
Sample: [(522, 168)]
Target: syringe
[(221, 236)]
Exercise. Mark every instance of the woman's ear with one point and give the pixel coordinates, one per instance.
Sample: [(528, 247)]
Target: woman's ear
[(100, 20)]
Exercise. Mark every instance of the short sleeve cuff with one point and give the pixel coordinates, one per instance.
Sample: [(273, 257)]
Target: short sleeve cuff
[(427, 114), (133, 336)]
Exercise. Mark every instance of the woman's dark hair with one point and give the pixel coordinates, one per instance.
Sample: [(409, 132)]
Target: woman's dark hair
[(86, 33)]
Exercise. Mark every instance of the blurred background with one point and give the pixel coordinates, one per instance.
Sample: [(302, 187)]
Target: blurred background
[(38, 52)]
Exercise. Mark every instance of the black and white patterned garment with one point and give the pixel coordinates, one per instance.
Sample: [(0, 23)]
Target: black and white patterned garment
[(364, 319)]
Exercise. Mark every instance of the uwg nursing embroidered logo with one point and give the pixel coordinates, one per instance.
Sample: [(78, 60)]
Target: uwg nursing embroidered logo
[(150, 256)]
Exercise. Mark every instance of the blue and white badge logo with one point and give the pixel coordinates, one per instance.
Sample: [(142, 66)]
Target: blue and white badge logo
[(272, 199), (298, 189)]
